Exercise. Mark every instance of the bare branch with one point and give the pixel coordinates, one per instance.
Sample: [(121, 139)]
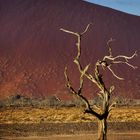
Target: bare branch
[(79, 35), (121, 62), (109, 67), (76, 60), (126, 57), (79, 95), (101, 95), (112, 106), (70, 32), (114, 60), (86, 74), (86, 29), (68, 84), (85, 70), (81, 78), (109, 46), (111, 89)]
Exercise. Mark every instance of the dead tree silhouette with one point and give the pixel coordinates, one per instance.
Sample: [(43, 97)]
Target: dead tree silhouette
[(96, 78)]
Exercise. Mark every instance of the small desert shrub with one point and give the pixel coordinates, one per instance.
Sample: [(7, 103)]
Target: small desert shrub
[(23, 101)]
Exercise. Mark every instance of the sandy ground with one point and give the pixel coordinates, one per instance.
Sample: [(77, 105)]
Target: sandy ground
[(66, 124), (114, 136), (49, 129), (63, 115)]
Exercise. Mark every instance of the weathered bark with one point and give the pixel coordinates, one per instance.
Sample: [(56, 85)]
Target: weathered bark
[(102, 129)]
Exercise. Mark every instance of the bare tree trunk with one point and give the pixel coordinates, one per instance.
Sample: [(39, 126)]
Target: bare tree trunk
[(102, 129)]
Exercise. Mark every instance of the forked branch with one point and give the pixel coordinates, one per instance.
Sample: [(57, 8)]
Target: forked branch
[(79, 94), (110, 60)]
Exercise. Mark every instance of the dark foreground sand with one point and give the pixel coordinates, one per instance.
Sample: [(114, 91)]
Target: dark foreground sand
[(114, 136), (68, 131)]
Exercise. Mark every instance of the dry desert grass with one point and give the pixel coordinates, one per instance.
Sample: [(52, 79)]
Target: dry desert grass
[(62, 115)]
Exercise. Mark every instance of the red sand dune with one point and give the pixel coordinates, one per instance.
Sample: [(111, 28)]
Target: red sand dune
[(34, 52)]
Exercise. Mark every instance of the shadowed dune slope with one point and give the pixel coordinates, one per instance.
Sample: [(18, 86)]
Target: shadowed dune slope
[(34, 52)]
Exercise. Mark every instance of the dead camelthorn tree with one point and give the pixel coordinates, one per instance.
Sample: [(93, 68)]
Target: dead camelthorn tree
[(97, 79)]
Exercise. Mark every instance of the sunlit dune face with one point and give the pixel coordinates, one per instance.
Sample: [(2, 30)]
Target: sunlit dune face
[(34, 52)]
